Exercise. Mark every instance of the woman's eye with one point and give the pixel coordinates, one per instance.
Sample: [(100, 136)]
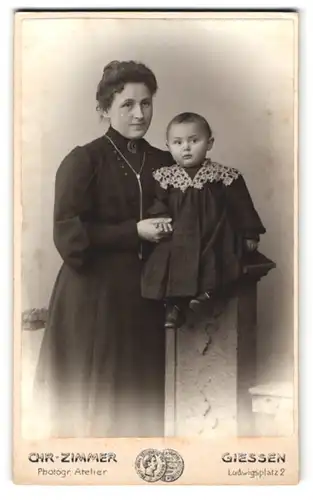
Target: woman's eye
[(146, 104), (127, 105)]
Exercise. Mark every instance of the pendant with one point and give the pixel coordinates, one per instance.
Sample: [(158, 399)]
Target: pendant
[(132, 147)]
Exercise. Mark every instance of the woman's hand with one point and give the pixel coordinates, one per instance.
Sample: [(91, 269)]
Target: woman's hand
[(154, 230)]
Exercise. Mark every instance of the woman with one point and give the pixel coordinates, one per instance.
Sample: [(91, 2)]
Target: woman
[(103, 353)]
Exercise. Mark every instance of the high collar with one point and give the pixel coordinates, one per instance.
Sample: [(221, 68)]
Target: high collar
[(122, 142)]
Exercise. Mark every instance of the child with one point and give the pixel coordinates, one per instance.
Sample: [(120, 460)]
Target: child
[(212, 215)]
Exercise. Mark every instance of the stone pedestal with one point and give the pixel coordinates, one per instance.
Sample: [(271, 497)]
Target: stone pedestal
[(211, 363), (207, 375)]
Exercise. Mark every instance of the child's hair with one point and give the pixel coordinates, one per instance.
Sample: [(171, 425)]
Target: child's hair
[(190, 118)]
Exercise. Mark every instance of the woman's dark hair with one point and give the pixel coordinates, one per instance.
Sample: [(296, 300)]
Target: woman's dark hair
[(190, 118), (115, 76)]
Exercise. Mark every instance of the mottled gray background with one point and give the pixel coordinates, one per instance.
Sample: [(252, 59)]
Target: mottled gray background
[(238, 74)]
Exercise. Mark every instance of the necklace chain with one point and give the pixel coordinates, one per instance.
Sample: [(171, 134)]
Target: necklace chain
[(138, 179), (125, 159)]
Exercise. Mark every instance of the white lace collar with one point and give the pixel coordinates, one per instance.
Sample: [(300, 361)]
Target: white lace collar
[(177, 176)]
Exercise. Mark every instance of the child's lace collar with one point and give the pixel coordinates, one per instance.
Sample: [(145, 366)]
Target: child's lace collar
[(177, 177)]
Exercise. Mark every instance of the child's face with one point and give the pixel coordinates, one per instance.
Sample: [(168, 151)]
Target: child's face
[(188, 143)]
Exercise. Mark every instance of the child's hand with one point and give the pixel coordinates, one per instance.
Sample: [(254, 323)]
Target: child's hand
[(163, 225), (251, 245)]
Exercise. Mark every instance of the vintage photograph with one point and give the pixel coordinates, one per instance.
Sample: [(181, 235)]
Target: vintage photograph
[(156, 229)]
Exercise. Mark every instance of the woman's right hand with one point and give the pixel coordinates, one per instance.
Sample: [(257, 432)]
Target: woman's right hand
[(151, 229)]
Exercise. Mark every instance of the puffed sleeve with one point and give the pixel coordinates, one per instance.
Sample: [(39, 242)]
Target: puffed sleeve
[(241, 210), (75, 235)]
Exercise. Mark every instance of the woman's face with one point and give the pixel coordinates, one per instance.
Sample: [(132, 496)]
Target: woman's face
[(131, 110)]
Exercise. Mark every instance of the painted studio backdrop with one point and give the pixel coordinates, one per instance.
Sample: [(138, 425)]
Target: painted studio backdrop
[(238, 74)]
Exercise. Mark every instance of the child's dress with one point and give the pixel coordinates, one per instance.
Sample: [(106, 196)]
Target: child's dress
[(212, 212)]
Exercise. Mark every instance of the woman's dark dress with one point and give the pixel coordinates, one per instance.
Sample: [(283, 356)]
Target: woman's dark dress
[(102, 359), (212, 211)]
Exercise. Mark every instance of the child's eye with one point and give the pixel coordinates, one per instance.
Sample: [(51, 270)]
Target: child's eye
[(194, 141)]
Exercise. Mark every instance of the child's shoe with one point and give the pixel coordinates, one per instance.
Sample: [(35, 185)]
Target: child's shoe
[(173, 316), (196, 303)]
